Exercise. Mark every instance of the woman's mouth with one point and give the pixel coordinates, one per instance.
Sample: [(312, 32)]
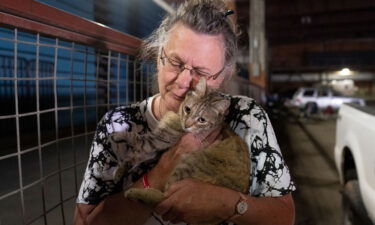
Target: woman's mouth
[(178, 98)]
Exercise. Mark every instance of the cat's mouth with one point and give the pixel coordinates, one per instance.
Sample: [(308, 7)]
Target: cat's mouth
[(192, 130), (188, 130)]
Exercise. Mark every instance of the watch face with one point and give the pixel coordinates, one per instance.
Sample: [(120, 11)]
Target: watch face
[(242, 207)]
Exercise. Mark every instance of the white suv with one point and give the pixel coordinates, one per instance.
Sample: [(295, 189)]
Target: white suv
[(321, 98)]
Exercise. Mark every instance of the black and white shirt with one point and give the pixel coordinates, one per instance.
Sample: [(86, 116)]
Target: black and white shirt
[(270, 176)]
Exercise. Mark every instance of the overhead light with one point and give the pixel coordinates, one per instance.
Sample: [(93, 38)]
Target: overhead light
[(345, 72)]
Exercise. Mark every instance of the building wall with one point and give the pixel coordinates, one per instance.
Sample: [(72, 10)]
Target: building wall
[(135, 17)]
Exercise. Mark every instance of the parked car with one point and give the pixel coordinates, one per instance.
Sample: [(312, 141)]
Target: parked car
[(355, 161), (311, 100)]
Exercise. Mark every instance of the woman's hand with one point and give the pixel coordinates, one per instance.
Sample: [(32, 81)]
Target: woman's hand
[(160, 173), (187, 144), (194, 201)]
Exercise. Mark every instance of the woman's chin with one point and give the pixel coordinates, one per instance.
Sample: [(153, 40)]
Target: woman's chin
[(172, 103)]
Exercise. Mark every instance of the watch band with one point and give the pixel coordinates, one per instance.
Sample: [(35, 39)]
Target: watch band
[(240, 207)]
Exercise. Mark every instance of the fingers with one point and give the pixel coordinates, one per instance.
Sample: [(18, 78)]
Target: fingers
[(163, 207), (168, 212), (168, 208), (212, 136), (173, 215), (188, 143), (182, 186), (181, 204), (166, 205)]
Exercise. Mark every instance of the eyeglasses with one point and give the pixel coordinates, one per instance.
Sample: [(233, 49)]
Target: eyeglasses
[(178, 67)]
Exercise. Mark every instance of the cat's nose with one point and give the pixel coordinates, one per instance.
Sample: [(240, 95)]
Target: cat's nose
[(189, 122)]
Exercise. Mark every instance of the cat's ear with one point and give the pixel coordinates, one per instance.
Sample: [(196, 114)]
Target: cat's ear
[(222, 105), (200, 88)]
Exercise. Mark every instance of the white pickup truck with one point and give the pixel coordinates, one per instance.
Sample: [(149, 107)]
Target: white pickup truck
[(310, 99), (355, 161)]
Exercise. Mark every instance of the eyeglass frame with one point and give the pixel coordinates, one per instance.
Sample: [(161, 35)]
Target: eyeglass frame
[(182, 67)]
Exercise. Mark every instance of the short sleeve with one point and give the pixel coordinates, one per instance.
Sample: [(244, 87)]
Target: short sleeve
[(110, 168), (98, 180), (270, 175)]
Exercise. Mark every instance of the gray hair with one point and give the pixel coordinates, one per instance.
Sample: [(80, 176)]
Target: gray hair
[(203, 16)]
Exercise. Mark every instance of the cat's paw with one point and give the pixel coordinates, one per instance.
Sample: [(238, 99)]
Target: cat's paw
[(117, 137), (148, 196)]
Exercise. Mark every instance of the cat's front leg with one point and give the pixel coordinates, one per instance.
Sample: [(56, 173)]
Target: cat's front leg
[(171, 120), (149, 196), (123, 136)]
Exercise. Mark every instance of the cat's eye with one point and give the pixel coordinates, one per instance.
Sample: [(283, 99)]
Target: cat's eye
[(187, 109), (201, 120)]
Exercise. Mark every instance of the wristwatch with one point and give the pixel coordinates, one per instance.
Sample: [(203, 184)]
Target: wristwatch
[(240, 207)]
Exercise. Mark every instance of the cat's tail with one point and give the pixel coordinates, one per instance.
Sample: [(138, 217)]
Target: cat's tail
[(149, 196)]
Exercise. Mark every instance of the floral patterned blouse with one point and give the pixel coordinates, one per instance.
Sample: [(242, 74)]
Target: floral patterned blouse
[(270, 176)]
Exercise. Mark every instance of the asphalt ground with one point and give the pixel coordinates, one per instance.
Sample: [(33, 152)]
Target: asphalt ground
[(307, 145)]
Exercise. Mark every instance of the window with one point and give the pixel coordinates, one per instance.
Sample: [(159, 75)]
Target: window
[(308, 93), (323, 92)]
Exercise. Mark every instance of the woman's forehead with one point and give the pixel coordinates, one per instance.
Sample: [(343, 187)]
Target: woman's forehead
[(195, 47)]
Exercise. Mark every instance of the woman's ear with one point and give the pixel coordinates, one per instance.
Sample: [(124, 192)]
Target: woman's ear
[(228, 73), (158, 61)]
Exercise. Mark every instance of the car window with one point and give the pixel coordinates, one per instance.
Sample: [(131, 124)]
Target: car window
[(336, 93), (323, 92), (308, 93)]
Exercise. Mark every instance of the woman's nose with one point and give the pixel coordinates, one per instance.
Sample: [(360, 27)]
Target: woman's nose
[(184, 79)]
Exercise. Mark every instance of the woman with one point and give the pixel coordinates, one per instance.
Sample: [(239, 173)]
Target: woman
[(197, 41)]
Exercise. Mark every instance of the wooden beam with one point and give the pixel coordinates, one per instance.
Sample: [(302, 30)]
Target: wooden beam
[(34, 16)]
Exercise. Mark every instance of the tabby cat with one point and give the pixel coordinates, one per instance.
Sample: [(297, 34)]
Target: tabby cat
[(225, 163)]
